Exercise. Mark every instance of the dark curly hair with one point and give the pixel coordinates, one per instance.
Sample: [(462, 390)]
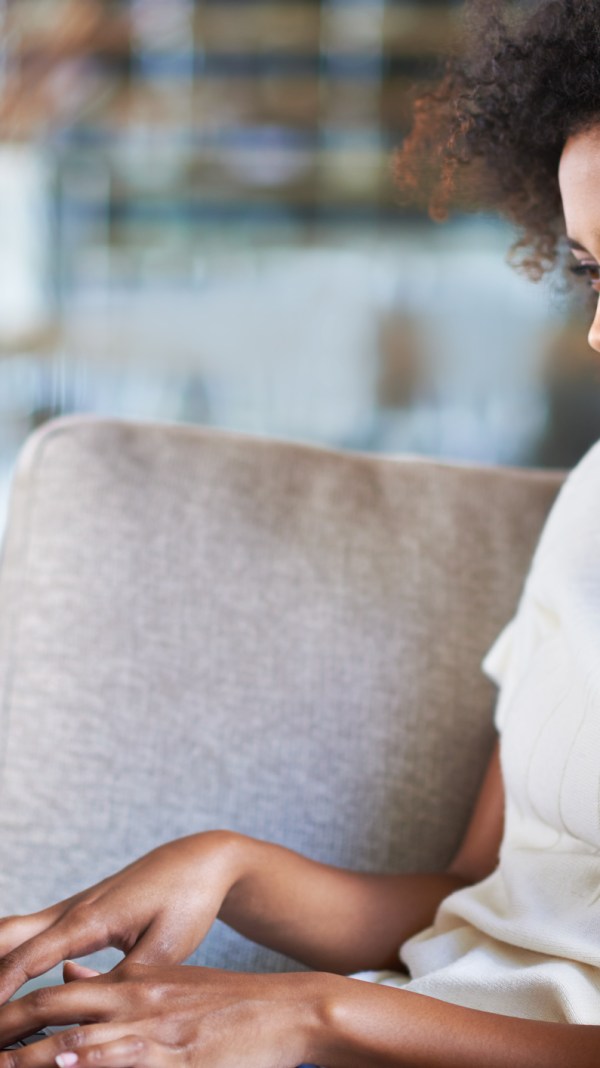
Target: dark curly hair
[(491, 133)]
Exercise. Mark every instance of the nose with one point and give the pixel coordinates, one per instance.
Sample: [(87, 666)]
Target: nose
[(594, 334)]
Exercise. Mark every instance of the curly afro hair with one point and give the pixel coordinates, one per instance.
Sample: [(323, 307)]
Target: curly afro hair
[(491, 133)]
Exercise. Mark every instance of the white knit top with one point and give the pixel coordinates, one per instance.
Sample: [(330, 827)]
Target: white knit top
[(526, 941)]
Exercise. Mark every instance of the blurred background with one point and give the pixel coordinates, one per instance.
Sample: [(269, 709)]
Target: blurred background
[(198, 223)]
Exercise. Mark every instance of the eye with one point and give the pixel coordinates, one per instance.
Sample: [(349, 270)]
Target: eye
[(591, 271)]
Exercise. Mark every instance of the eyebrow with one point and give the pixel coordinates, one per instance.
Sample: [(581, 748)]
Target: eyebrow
[(578, 247)]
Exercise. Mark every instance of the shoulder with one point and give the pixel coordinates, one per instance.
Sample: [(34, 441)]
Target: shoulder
[(576, 510), (587, 468), (569, 548)]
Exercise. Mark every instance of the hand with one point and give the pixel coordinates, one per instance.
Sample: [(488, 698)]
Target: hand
[(139, 1016), (156, 910)]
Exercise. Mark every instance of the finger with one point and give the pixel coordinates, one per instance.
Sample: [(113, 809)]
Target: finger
[(86, 1002), (130, 1051), (14, 930), (41, 1054), (73, 971), (74, 936)]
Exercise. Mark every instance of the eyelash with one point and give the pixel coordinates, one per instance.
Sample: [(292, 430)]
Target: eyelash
[(591, 271)]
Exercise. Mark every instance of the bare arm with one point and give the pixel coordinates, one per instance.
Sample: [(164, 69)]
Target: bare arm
[(141, 1016), (366, 1024), (341, 921), (322, 1017), (327, 918), (158, 909)]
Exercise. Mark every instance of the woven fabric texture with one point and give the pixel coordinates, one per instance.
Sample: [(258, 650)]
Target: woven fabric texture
[(200, 629)]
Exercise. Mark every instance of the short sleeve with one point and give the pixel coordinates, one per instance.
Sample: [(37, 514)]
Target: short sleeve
[(517, 647), (496, 664), (496, 660)]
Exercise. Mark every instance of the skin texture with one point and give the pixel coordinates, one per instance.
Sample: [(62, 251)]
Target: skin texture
[(152, 1012), (578, 176)]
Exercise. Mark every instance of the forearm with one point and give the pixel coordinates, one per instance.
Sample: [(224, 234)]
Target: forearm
[(328, 918), (366, 1024)]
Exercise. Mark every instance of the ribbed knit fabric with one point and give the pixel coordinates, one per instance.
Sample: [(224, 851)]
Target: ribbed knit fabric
[(526, 941)]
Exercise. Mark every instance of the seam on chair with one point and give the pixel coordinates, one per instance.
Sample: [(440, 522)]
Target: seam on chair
[(538, 474)]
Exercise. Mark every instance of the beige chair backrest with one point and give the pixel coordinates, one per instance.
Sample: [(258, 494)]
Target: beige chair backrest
[(200, 629)]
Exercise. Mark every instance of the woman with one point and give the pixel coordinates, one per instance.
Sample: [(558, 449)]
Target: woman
[(503, 953)]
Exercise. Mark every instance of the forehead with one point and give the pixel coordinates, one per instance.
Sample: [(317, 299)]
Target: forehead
[(579, 177)]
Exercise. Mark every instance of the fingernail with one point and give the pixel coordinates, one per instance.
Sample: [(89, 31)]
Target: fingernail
[(66, 1060)]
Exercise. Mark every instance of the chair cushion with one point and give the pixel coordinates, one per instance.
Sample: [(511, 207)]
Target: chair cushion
[(199, 629)]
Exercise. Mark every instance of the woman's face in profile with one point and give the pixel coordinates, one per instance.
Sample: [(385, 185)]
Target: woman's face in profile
[(579, 176)]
